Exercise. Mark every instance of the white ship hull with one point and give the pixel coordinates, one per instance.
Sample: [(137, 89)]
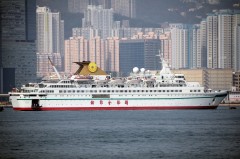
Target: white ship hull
[(119, 102), (140, 91)]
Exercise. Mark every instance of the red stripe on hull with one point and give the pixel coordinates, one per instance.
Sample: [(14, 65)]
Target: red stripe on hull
[(115, 108)]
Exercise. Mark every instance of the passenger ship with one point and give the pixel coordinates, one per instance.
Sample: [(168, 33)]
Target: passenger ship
[(90, 88)]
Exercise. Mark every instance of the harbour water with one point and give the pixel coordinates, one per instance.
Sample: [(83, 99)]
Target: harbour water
[(120, 134)]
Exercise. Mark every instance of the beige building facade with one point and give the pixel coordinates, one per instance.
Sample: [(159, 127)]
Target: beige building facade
[(215, 79), (236, 81)]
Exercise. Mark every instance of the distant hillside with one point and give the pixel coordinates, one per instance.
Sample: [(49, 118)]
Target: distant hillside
[(179, 11)]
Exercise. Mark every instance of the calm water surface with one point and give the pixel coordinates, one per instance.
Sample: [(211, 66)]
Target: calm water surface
[(120, 134)]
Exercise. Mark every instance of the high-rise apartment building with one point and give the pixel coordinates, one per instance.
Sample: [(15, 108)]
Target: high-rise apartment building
[(223, 40), (97, 51), (104, 52), (212, 41), (195, 47), (124, 7), (18, 48), (50, 38), (112, 54), (236, 41), (203, 43), (79, 6), (76, 50), (180, 46), (97, 17)]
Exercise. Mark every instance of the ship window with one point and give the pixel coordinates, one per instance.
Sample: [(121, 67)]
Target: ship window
[(138, 90), (167, 90), (121, 90), (159, 91), (180, 90), (95, 91), (176, 90), (112, 90), (150, 90), (104, 90), (64, 91), (195, 90), (146, 90), (60, 91), (108, 91), (199, 91), (78, 91), (134, 90), (130, 91), (69, 91), (171, 90), (142, 90), (91, 91), (125, 90), (163, 90), (155, 90), (82, 91)]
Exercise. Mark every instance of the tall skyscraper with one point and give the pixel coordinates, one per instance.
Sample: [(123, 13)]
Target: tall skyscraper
[(124, 7), (151, 50), (18, 35), (131, 54), (44, 30), (50, 40)]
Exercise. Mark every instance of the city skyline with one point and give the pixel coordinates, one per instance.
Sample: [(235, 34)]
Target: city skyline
[(213, 42)]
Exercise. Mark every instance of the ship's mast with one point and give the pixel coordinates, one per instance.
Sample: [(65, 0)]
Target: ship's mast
[(58, 75), (165, 66)]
